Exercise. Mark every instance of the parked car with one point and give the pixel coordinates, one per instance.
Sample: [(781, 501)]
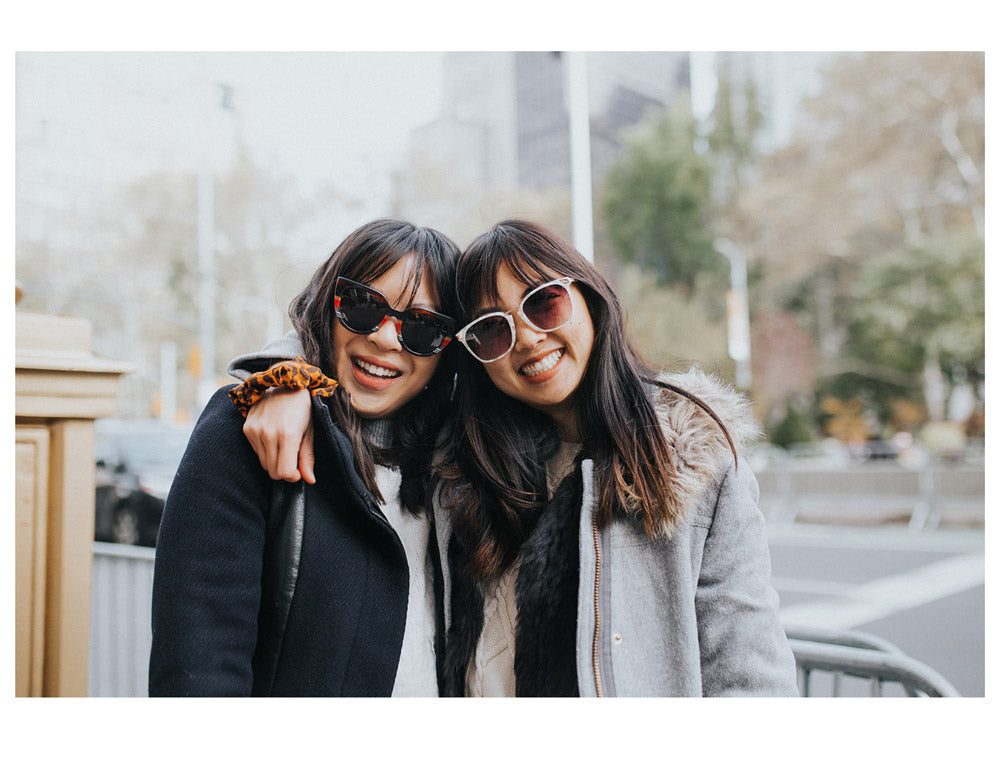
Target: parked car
[(136, 461), (877, 449)]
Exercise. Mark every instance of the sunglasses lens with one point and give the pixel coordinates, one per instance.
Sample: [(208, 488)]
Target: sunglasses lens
[(360, 309), (363, 310), (548, 308), (489, 338), (423, 333)]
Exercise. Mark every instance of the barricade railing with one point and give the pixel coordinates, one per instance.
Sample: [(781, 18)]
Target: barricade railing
[(840, 655), (120, 635), (924, 496), (120, 641)]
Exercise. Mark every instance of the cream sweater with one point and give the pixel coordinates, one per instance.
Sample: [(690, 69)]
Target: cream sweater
[(491, 673)]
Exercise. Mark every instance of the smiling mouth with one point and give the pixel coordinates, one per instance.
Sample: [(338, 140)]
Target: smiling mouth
[(375, 371), (533, 369)]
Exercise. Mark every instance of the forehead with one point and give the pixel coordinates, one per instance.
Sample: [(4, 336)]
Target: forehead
[(403, 287), (512, 280)]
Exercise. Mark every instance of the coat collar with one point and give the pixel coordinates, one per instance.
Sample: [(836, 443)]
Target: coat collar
[(701, 452)]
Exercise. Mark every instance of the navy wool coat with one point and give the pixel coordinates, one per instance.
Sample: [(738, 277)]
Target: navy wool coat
[(267, 588)]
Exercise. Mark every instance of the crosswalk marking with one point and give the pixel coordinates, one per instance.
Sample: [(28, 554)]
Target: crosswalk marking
[(859, 604)]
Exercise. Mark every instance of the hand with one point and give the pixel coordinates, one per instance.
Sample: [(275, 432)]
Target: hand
[(279, 428)]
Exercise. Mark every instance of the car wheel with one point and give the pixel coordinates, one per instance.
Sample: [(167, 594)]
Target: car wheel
[(125, 526)]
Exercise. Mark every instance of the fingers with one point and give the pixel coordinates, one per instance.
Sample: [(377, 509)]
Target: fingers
[(271, 448), (307, 459), (275, 427)]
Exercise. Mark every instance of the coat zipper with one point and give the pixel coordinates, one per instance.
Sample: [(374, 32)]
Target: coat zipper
[(597, 611)]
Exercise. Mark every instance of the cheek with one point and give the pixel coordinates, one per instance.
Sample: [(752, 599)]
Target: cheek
[(340, 336), (585, 331), (586, 343), (423, 371), (498, 372)]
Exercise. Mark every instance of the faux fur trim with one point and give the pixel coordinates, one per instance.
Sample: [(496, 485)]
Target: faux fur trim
[(701, 451), (547, 584)]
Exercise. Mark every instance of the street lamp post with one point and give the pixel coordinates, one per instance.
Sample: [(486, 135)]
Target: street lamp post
[(738, 310), (206, 282), (579, 136), (221, 96)]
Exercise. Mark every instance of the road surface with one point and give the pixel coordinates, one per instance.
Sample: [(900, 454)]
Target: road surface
[(925, 592)]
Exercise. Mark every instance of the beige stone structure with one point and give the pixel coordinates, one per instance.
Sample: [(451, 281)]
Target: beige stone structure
[(60, 388)]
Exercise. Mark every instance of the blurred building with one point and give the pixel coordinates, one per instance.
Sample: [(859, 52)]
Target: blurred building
[(781, 80), (504, 120)]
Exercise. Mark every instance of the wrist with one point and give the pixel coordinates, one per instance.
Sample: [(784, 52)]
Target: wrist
[(284, 376)]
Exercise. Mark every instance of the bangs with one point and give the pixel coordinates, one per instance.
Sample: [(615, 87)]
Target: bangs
[(479, 268), (366, 269)]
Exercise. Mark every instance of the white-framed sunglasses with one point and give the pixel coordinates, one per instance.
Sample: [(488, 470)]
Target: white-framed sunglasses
[(544, 308)]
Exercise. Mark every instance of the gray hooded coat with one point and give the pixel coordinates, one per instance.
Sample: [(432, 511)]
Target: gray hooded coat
[(691, 613)]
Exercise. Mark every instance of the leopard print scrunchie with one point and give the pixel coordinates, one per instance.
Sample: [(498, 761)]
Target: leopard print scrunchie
[(297, 374)]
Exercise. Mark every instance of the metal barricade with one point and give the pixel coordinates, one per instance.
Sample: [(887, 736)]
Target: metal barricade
[(851, 663), (120, 637), (841, 655)]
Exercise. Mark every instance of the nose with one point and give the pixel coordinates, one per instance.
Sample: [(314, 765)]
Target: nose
[(526, 337), (386, 337)]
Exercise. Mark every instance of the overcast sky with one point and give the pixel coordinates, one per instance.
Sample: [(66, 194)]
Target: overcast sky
[(325, 118), (319, 114)]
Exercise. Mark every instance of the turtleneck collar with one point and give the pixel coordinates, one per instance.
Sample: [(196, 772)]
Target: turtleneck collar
[(378, 432)]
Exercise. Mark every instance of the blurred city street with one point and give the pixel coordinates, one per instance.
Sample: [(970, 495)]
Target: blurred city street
[(804, 225), (923, 592), (854, 322)]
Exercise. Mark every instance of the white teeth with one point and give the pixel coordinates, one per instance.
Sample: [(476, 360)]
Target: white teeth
[(539, 367), (375, 370)]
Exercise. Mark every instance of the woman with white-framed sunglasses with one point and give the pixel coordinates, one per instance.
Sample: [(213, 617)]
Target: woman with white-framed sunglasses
[(596, 524)]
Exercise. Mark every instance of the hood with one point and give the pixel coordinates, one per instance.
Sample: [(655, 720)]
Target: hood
[(701, 452)]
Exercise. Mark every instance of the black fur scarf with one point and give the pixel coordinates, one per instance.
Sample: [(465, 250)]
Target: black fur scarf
[(546, 587)]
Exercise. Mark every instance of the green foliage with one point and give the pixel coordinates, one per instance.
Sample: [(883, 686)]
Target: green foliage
[(924, 302), (908, 308), (795, 427), (737, 121), (672, 329), (657, 202)]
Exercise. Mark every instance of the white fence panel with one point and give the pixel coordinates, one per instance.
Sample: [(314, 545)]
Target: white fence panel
[(120, 637)]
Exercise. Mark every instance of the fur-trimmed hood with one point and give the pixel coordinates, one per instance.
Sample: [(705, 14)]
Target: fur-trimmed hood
[(701, 451), (572, 580)]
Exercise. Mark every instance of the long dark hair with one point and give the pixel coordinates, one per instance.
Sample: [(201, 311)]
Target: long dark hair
[(494, 469), (367, 253)]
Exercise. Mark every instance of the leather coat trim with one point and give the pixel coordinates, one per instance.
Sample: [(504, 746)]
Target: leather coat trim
[(284, 533), (282, 555)]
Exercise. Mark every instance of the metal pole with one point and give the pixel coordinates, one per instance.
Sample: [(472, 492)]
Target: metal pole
[(738, 310), (206, 282), (579, 136), (219, 97)]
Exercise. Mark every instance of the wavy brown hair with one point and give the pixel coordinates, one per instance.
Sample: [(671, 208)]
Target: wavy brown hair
[(364, 255), (493, 468)]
